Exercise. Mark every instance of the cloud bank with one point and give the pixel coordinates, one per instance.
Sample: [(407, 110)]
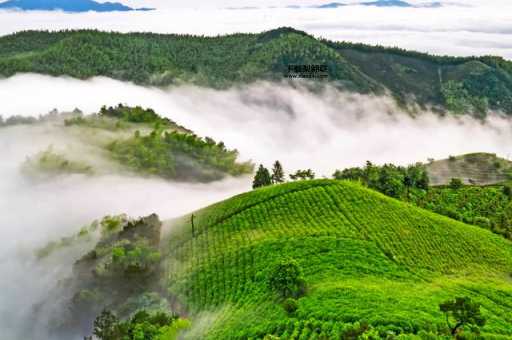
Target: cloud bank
[(33, 213)]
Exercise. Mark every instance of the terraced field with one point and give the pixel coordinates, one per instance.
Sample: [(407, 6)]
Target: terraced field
[(366, 258)]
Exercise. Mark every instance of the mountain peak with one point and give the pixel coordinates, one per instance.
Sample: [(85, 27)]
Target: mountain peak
[(75, 6)]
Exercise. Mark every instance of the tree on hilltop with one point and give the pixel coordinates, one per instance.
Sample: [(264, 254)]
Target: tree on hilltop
[(277, 173), (302, 175), (262, 178)]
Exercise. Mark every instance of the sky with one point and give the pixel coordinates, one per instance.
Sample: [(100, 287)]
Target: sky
[(460, 27)]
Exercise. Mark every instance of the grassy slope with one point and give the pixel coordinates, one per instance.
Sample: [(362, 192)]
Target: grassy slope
[(365, 257), (222, 61), (481, 168)]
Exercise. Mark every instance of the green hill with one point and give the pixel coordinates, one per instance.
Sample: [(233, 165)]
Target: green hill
[(131, 140), (461, 85), (474, 168), (370, 264)]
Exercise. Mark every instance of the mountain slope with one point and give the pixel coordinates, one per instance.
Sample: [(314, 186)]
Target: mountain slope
[(365, 258), (461, 85), (474, 168)]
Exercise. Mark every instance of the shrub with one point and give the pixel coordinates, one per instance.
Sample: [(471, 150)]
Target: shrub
[(286, 279), (464, 312), (456, 183), (482, 222), (290, 305), (507, 191)]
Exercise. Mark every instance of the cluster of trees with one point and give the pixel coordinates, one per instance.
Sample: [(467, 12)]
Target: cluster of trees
[(165, 59), (122, 266), (23, 120), (134, 258), (141, 326), (488, 207), (48, 162), (17, 120), (264, 177), (459, 100), (135, 114), (176, 155), (389, 179)]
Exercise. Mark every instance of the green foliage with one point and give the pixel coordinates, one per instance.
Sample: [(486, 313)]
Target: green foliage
[(463, 311), (391, 180), (277, 173), (458, 99), (302, 175), (120, 272), (262, 178), (135, 115), (507, 191), (459, 84), (112, 224), (290, 305), (372, 265), (178, 155), (286, 279), (132, 258), (456, 183), (488, 207), (141, 326), (48, 162), (105, 325)]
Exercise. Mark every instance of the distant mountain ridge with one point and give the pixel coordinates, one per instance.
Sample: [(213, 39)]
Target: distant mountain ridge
[(376, 3), (74, 6), (460, 85)]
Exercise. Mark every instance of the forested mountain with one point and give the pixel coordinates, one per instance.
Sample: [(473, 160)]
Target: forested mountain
[(132, 139), (461, 85)]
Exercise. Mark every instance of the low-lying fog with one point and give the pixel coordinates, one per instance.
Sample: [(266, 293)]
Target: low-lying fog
[(264, 122)]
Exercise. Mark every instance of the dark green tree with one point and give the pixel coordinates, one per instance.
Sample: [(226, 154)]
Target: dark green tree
[(391, 180), (286, 279), (463, 311), (456, 183), (423, 181), (262, 178), (507, 191), (303, 175), (277, 173), (106, 326)]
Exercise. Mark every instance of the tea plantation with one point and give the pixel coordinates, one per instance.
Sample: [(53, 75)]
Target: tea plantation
[(373, 267)]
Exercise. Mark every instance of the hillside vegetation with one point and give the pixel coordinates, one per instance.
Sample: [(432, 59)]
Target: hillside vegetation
[(133, 139), (370, 266), (461, 85), (473, 168)]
